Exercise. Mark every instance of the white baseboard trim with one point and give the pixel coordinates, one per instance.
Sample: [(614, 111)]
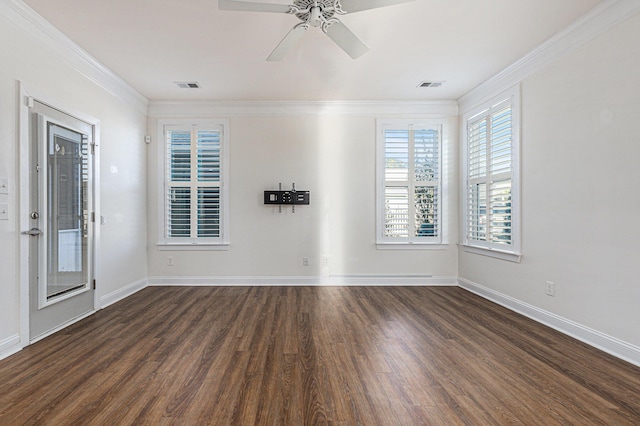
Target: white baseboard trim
[(391, 280), (122, 293), (608, 344), (333, 280), (10, 346)]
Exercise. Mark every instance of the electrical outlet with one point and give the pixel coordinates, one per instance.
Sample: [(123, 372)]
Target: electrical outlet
[(305, 261), (169, 260), (550, 289), (325, 260), (4, 211), (4, 185)]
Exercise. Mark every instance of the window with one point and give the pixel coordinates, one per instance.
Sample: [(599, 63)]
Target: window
[(409, 176), (491, 175), (194, 192)]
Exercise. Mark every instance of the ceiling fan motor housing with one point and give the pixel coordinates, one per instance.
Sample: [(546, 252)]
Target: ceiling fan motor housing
[(315, 12)]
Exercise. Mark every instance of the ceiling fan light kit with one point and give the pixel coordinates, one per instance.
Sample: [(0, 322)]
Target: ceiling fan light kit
[(314, 13)]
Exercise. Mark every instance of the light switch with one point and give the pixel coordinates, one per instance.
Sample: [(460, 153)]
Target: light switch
[(4, 211), (4, 185)]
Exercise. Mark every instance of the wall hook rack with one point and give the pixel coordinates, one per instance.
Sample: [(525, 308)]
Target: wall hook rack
[(292, 197)]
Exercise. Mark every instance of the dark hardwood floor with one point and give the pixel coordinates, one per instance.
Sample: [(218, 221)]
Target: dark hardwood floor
[(313, 356)]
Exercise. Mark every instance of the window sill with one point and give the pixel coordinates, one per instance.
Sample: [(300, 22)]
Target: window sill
[(193, 247), (412, 246), (490, 252)]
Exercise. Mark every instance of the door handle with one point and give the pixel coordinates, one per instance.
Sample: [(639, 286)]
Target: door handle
[(34, 232)]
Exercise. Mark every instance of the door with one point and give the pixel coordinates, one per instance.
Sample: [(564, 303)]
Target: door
[(61, 232)]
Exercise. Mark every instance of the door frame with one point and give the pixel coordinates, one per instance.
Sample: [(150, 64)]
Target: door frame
[(25, 99)]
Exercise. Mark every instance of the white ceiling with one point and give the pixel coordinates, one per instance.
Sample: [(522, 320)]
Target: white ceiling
[(153, 43)]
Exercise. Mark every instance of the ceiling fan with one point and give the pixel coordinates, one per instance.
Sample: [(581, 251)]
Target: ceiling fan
[(314, 13)]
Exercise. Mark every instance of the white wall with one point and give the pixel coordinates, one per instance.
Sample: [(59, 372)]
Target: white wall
[(580, 202), (580, 199), (333, 156), (48, 69)]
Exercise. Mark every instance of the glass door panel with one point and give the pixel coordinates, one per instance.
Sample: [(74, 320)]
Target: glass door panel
[(67, 212)]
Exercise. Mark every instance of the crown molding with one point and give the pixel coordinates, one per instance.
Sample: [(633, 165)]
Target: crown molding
[(26, 18), (601, 19), (177, 109)]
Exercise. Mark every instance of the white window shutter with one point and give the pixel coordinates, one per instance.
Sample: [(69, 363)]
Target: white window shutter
[(411, 183), (193, 208), (489, 176)]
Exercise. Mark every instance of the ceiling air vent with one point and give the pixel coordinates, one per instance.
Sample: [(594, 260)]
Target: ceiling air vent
[(188, 84), (431, 84)]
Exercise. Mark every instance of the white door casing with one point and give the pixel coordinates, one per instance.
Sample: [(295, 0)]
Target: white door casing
[(57, 217)]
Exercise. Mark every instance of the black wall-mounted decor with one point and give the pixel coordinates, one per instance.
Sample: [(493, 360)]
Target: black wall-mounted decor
[(286, 197), (291, 197)]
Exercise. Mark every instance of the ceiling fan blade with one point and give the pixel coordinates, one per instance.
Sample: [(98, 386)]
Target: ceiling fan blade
[(351, 6), (348, 41), (287, 43), (247, 6)]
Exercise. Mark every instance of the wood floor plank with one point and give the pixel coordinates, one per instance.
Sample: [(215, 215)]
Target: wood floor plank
[(314, 356)]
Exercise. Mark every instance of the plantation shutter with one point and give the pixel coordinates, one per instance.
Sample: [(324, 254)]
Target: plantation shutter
[(411, 180), (193, 185), (179, 175), (490, 176), (396, 185)]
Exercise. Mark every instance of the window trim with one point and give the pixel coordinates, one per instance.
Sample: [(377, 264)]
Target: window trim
[(429, 243), (217, 243), (512, 252)]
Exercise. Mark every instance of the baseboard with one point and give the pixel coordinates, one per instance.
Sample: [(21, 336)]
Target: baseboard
[(333, 280), (390, 280), (608, 344), (10, 346), (611, 345), (121, 293)]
